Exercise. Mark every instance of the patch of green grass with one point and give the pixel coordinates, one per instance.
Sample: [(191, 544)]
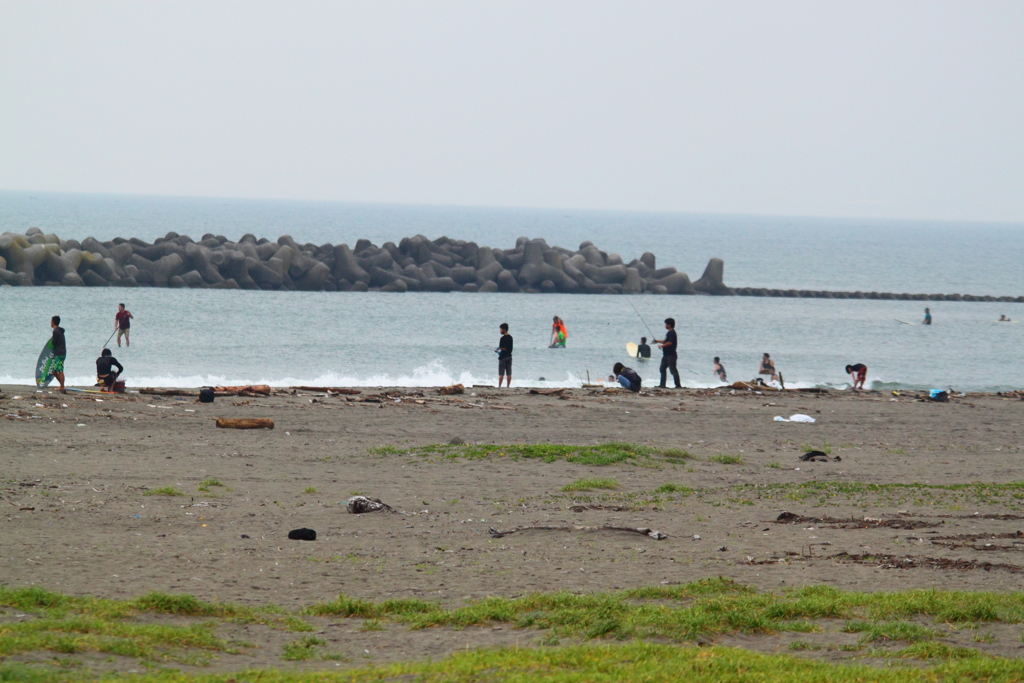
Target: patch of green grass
[(774, 465), (207, 483), (897, 451), (674, 488), (726, 459), (890, 631), (602, 454), (824, 448), (309, 489), (589, 484), (307, 647), (164, 491), (940, 651), (676, 454), (804, 645)]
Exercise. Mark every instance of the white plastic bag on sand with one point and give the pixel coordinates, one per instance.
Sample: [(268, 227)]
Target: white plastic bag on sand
[(799, 417)]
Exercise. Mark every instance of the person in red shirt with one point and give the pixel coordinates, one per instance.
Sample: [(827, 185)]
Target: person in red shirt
[(122, 324)]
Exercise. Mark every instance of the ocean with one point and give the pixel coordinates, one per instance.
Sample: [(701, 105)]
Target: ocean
[(199, 337)]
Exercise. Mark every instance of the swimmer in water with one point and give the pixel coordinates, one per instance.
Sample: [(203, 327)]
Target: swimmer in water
[(558, 334)]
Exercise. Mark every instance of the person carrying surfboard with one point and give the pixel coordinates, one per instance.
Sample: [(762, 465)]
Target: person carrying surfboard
[(122, 324), (105, 369), (60, 352), (859, 372)]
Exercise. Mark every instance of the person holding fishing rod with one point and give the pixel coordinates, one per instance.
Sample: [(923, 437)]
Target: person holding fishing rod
[(669, 353), (122, 325)]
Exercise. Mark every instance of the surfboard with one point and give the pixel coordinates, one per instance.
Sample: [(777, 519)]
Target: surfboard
[(88, 391), (632, 349), (903, 321), (44, 375)]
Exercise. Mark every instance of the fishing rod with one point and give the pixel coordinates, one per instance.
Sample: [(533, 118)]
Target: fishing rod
[(653, 336)]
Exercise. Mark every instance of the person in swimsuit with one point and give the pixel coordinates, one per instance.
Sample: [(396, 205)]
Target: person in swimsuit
[(927, 317), (627, 377), (105, 369), (859, 372), (719, 369), (768, 368)]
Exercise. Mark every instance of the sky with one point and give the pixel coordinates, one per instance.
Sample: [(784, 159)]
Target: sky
[(863, 109)]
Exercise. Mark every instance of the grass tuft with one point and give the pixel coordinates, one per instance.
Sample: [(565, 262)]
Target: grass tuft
[(589, 484), (164, 491), (726, 459)]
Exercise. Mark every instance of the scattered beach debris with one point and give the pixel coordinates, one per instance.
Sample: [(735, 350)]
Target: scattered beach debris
[(358, 505), (547, 392), (656, 535), (302, 534), (814, 456), (245, 423), (854, 522), (919, 562), (452, 389), (798, 417), (329, 390)]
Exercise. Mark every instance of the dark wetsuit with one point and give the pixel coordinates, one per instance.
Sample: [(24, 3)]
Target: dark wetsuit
[(643, 351), (103, 370)]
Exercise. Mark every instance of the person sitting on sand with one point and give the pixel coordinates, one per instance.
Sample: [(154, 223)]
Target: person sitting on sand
[(105, 370), (859, 373), (627, 377), (642, 349), (719, 369)]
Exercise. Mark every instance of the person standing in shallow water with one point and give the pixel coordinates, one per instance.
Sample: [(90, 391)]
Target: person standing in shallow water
[(122, 323), (719, 369), (927, 317), (669, 354), (504, 351), (60, 352)]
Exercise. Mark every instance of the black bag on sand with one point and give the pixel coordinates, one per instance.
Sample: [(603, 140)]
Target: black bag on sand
[(302, 535), (206, 395)]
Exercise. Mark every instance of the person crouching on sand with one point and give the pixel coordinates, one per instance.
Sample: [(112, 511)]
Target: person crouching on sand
[(627, 377), (105, 370), (859, 372)]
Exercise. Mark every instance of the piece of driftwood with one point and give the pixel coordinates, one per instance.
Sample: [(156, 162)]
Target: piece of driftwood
[(245, 423), (656, 535), (547, 392), (358, 505), (167, 392), (453, 389), (333, 390), (261, 389)]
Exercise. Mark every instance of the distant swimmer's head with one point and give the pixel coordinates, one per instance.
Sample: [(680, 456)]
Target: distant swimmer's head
[(503, 327), (55, 320), (105, 352), (617, 369), (670, 323), (716, 359), (643, 340), (849, 369)]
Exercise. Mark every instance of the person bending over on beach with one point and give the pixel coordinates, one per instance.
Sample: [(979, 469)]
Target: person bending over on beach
[(669, 349), (927, 317), (504, 351), (60, 352), (719, 369), (122, 324), (768, 368), (105, 369), (558, 334), (627, 377), (642, 349), (859, 373)]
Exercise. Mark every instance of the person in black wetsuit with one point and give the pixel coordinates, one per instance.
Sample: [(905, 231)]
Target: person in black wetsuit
[(642, 349), (105, 369), (669, 350), (627, 377)]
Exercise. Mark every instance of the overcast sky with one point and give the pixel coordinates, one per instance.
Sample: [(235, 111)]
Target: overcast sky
[(889, 109)]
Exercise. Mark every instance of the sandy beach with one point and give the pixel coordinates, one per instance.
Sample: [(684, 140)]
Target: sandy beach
[(77, 518)]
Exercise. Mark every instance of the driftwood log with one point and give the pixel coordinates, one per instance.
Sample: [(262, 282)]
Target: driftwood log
[(245, 423), (656, 535), (333, 390)]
